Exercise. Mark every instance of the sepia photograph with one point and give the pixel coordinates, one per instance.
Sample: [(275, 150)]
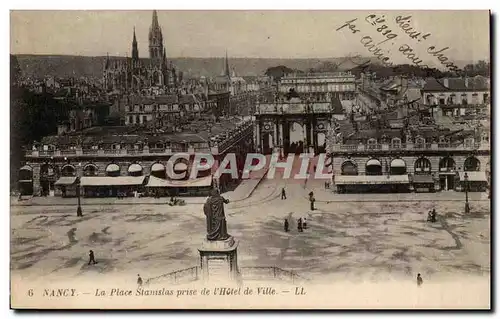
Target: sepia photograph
[(250, 159)]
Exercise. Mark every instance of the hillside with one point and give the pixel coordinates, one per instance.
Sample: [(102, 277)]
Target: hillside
[(67, 65)]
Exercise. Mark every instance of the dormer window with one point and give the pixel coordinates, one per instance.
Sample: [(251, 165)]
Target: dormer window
[(420, 142), (469, 142), (372, 143), (396, 142)]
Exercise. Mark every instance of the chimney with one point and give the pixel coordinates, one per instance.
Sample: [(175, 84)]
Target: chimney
[(445, 82)]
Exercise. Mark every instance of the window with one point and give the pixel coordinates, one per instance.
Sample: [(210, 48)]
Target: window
[(469, 142), (486, 98), (372, 143), (464, 99), (141, 108), (131, 119), (396, 143), (130, 108), (137, 119), (420, 142), (144, 119), (452, 99), (475, 99)]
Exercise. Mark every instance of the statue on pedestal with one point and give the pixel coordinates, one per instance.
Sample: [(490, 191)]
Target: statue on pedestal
[(216, 220)]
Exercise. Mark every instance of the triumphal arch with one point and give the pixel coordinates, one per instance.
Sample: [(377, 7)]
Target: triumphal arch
[(288, 126)]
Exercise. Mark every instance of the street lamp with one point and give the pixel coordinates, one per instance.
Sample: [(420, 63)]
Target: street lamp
[(79, 208), (466, 185)]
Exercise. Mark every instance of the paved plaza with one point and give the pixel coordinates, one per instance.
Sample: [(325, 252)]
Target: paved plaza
[(354, 240)]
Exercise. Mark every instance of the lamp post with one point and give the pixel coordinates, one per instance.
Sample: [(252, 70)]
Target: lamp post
[(79, 208), (466, 185)]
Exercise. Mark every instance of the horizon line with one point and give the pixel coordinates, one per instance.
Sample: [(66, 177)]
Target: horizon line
[(180, 57), (486, 59)]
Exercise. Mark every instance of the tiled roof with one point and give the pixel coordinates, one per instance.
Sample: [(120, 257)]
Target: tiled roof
[(166, 99), (456, 84)]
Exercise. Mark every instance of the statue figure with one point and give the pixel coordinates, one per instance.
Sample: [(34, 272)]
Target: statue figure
[(216, 220)]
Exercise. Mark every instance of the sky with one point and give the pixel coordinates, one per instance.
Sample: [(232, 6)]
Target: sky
[(264, 34)]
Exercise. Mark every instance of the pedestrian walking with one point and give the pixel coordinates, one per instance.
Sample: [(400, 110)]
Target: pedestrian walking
[(420, 281), (139, 280), (311, 200), (92, 258), (299, 225), (286, 225), (304, 223), (283, 193)]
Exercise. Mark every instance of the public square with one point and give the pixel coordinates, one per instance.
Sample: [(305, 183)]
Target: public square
[(352, 240)]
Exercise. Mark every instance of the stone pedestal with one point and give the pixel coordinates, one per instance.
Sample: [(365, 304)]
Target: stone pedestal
[(219, 261)]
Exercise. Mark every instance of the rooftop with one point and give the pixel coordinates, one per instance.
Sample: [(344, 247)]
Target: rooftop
[(477, 83), (194, 132)]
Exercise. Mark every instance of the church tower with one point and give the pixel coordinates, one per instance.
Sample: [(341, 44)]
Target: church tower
[(135, 50), (155, 40)]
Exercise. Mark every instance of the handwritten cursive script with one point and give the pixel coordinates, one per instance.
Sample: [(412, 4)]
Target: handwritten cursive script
[(368, 42), (404, 23)]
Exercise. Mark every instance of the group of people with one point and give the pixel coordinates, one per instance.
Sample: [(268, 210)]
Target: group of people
[(301, 225)]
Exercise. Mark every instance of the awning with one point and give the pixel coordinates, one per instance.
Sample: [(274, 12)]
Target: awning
[(112, 168), (112, 181), (66, 180), (158, 167), (92, 165), (135, 168), (373, 162), (398, 163), (473, 176), (26, 168), (423, 179), (371, 179), (197, 182), (26, 181), (180, 166)]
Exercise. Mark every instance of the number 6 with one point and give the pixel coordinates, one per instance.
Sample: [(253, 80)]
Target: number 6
[(30, 292)]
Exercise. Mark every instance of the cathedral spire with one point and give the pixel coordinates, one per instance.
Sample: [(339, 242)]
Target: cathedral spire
[(227, 71), (155, 40), (155, 23), (135, 50)]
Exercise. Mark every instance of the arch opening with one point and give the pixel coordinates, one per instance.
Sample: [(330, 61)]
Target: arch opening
[(373, 167)]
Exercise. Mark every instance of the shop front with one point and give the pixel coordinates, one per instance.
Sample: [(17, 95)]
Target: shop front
[(423, 183), (66, 186), (107, 186), (372, 183), (476, 181), (190, 187)]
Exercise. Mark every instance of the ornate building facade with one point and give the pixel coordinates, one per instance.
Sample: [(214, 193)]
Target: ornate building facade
[(133, 74)]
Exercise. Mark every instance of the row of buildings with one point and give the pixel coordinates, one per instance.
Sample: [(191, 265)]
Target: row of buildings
[(395, 135)]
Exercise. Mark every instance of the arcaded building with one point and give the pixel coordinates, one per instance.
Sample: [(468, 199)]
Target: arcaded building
[(121, 161)]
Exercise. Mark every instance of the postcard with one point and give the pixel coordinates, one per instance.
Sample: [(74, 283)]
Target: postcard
[(250, 159)]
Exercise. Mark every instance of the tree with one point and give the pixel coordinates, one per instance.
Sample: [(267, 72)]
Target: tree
[(277, 72)]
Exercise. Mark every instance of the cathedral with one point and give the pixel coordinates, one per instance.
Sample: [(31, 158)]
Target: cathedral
[(132, 75)]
